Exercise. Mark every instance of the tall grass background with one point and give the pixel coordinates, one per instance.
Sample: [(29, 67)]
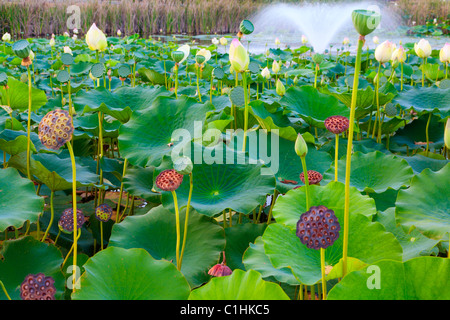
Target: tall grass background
[(41, 18)]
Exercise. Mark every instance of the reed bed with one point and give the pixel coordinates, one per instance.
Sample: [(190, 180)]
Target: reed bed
[(37, 18)]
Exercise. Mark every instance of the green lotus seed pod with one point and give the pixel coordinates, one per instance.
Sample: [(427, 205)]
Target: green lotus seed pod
[(199, 59), (183, 165), (177, 56), (365, 21), (21, 49), (246, 27), (390, 109), (301, 148), (317, 58)]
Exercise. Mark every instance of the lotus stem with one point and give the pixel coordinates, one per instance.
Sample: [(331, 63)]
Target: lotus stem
[(361, 41), (423, 73), (198, 84), (177, 218), (52, 215), (101, 235), (57, 237), (4, 290), (336, 158), (377, 86), (125, 163), (176, 80), (322, 267), (275, 195), (71, 249), (74, 206), (29, 125), (315, 76), (100, 158), (191, 187), (427, 135), (305, 173), (401, 76), (244, 84)]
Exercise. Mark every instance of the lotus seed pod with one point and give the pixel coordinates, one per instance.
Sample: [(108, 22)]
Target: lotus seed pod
[(220, 270), (200, 59), (169, 180), (183, 165), (65, 223), (337, 124), (390, 109), (37, 287), (55, 129), (21, 49), (318, 227), (314, 177), (317, 58), (103, 212), (301, 148), (177, 56), (365, 21)]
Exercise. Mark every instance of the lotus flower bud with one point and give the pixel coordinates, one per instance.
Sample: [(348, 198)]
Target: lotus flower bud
[(277, 41), (301, 148), (423, 48), (67, 50), (55, 129), (37, 287), (215, 41), (52, 42), (383, 52), (74, 37), (65, 223), (186, 49), (276, 66), (444, 53), (205, 53), (304, 39), (183, 165), (318, 227), (32, 55), (96, 39), (238, 56), (280, 89), (375, 40), (66, 34), (447, 134), (103, 212), (223, 41), (75, 31), (6, 37), (169, 180), (346, 41), (399, 55), (265, 73), (119, 33)]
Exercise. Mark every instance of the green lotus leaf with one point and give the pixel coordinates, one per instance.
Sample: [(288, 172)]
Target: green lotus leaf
[(156, 233), (255, 258), (374, 172), (145, 145), (18, 96), (240, 186), (420, 162), (239, 285), (130, 274), (312, 106), (139, 182), (26, 256), (424, 278), (18, 200), (413, 243), (424, 205), (120, 103), (54, 172), (424, 100), (368, 241), (14, 142), (238, 239)]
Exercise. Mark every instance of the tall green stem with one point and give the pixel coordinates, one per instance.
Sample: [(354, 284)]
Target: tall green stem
[(177, 218), (427, 135), (29, 125), (377, 86), (361, 41), (244, 84), (191, 187), (305, 174), (74, 206), (176, 80), (119, 202), (52, 214), (322, 267), (336, 158), (4, 290)]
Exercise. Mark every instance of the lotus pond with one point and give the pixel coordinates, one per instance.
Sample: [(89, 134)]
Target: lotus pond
[(139, 169)]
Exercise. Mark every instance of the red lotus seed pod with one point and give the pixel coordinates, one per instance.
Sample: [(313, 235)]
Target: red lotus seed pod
[(103, 212), (65, 223), (318, 227), (337, 124), (314, 177), (169, 180), (220, 270), (55, 129), (37, 287)]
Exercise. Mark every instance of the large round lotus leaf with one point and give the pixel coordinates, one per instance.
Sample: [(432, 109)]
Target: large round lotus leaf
[(148, 136), (374, 172), (120, 103), (90, 123), (413, 243), (18, 200), (423, 278), (130, 274), (217, 187), (139, 182), (424, 100), (238, 239), (18, 96), (29, 256), (420, 162), (156, 233), (312, 106), (255, 258), (54, 172), (239, 285), (368, 241), (425, 204), (14, 142)]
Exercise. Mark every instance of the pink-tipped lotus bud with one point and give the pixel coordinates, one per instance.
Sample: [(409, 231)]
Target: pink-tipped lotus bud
[(238, 56)]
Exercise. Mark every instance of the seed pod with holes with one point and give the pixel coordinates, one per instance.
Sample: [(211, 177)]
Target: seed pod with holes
[(37, 287), (336, 124), (169, 180), (314, 177), (55, 129), (65, 223), (103, 212)]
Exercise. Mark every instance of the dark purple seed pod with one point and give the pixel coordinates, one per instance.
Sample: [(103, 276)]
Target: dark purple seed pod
[(318, 227), (103, 212), (336, 124), (37, 287), (169, 180), (65, 223), (314, 177), (55, 129)]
